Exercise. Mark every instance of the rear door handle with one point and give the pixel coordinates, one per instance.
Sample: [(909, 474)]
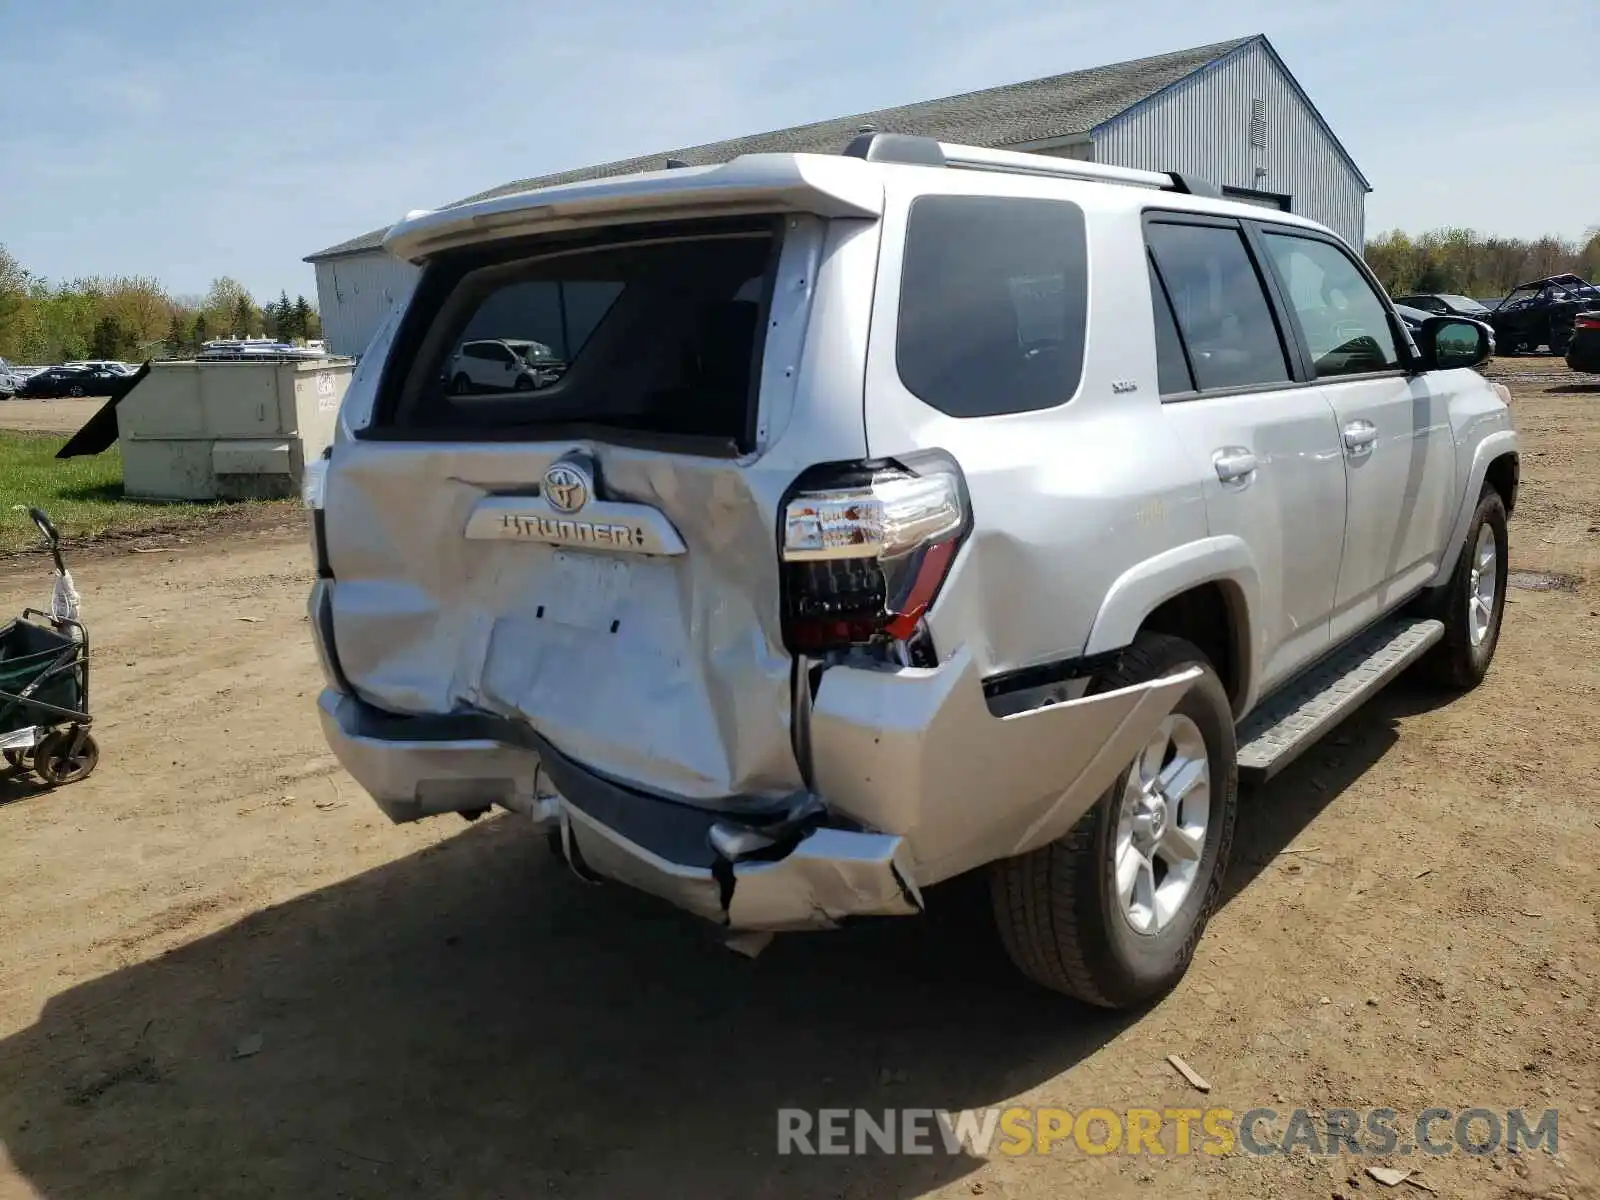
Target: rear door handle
[(1235, 464), (1359, 437)]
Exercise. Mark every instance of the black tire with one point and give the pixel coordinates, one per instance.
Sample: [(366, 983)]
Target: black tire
[(524, 384), (1059, 917), (53, 763), (461, 385), (75, 390), (1458, 662)]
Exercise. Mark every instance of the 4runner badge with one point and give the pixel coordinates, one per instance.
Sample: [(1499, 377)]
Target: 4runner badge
[(1121, 386), (567, 486)]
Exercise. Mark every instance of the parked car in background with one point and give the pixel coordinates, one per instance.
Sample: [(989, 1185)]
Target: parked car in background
[(10, 380), (502, 365), (1412, 318), (1583, 351), (109, 365), (1445, 305), (54, 382), (1541, 313)]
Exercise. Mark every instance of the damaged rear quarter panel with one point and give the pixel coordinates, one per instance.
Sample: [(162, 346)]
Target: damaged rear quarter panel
[(916, 752)]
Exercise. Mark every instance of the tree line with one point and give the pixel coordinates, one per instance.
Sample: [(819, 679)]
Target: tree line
[(1464, 262), (131, 318)]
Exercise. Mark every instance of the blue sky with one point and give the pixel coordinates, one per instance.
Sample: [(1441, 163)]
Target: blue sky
[(164, 138)]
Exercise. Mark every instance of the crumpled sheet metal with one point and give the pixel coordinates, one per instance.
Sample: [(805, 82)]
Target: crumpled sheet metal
[(831, 875), (917, 753)]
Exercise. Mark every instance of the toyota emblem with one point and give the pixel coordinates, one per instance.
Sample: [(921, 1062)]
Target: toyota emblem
[(567, 487)]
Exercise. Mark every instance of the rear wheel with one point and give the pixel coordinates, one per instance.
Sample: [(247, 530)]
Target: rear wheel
[(1111, 912), (75, 390), (55, 761)]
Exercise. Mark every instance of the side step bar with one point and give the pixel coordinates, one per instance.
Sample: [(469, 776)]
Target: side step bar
[(1289, 723)]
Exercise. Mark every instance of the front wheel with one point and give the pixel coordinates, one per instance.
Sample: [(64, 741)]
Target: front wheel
[(1111, 912), (55, 761), (1473, 603)]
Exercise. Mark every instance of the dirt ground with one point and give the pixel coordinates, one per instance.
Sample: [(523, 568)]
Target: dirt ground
[(64, 416), (222, 973)]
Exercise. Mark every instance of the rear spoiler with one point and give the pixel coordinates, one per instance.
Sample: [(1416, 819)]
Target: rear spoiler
[(824, 185)]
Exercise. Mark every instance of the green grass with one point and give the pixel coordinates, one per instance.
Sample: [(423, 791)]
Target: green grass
[(83, 496)]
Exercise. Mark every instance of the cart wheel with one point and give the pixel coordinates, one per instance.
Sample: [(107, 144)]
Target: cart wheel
[(53, 763), (18, 759)]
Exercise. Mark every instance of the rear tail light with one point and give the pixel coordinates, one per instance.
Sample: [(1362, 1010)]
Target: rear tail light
[(865, 550), (1586, 321)]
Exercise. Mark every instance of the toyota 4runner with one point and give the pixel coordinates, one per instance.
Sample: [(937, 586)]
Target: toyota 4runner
[(899, 513)]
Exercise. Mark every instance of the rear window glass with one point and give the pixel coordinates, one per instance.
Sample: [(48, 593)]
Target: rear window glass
[(649, 335), (992, 303), (1220, 305)]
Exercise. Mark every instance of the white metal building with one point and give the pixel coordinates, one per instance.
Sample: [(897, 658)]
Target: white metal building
[(1229, 112)]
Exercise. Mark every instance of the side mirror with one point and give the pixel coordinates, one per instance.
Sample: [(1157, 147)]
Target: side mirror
[(1447, 343)]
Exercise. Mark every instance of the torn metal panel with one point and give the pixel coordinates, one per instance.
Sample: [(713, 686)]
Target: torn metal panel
[(607, 853), (831, 875), (916, 752)]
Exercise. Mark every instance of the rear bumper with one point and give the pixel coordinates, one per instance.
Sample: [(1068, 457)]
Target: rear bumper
[(811, 876), (915, 779)]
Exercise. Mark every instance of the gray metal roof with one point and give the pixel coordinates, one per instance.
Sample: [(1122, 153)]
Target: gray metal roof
[(1058, 106)]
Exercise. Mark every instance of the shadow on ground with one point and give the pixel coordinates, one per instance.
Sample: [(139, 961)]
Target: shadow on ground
[(474, 1021)]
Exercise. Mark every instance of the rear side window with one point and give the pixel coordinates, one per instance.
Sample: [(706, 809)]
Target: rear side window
[(641, 335), (992, 304), (1220, 305)]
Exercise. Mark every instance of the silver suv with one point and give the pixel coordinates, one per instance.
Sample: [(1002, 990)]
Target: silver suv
[(899, 513)]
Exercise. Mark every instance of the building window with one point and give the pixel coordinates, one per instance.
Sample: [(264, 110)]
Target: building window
[(1258, 124)]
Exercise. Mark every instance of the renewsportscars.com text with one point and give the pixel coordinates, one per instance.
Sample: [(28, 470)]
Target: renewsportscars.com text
[(1213, 1131)]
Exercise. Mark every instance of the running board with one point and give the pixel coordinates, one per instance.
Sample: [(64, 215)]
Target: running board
[(1290, 723)]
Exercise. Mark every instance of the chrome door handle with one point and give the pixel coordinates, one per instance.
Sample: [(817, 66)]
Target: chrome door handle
[(1234, 464), (1359, 437)]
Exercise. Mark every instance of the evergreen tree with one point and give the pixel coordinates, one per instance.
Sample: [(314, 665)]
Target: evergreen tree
[(244, 317), (176, 342), (283, 317), (201, 332), (302, 317), (108, 338)]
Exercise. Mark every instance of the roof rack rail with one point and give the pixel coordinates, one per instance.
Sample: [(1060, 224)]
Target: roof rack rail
[(912, 150)]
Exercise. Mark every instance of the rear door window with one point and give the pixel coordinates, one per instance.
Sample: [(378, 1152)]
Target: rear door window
[(649, 335), (992, 303), (1220, 303)]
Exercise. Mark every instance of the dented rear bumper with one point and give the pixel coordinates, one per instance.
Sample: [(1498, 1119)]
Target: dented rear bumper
[(915, 781)]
